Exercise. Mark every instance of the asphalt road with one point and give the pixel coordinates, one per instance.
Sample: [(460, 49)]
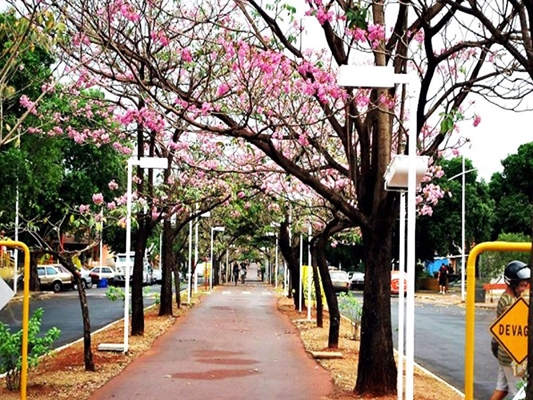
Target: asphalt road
[(62, 310), (440, 344)]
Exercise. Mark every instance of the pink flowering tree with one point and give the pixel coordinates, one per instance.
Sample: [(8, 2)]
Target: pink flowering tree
[(242, 71)]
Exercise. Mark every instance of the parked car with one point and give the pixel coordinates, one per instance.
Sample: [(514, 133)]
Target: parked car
[(340, 281), (157, 274), (357, 280), (54, 276), (102, 272), (86, 279)]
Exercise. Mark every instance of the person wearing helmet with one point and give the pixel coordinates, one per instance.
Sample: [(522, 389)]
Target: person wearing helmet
[(516, 276)]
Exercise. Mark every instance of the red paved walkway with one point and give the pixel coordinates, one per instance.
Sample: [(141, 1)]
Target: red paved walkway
[(233, 345)]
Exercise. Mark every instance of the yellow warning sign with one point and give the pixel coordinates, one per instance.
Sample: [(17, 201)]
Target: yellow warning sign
[(510, 330)]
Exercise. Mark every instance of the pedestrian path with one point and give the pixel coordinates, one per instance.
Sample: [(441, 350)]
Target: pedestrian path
[(233, 345)]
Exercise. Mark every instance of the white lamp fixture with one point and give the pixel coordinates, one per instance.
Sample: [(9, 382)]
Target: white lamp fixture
[(213, 230), (145, 163), (397, 173), (384, 77)]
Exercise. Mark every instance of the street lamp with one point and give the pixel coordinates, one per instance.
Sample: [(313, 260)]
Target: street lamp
[(384, 77), (204, 215), (462, 175), (145, 163), (213, 230)]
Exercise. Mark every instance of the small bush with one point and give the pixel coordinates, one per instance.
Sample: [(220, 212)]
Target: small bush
[(11, 348)]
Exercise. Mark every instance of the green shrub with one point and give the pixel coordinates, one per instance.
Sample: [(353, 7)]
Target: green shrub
[(350, 307), (11, 348)]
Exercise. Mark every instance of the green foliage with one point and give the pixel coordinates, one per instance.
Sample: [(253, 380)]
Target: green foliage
[(350, 307), (449, 120), (357, 17), (441, 234), (492, 263), (512, 191), (11, 348), (114, 293)]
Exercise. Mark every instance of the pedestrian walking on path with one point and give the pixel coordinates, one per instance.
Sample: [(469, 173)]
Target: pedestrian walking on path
[(233, 345)]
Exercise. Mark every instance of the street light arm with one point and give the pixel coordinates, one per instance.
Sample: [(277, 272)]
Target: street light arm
[(462, 173)]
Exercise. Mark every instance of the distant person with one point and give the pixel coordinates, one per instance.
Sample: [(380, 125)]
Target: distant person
[(235, 272), (443, 278), (516, 277), (243, 272)]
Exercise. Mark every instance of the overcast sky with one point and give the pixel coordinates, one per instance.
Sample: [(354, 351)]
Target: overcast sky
[(499, 134)]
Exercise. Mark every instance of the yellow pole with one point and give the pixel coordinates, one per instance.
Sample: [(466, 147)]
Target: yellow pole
[(471, 305), (25, 313)]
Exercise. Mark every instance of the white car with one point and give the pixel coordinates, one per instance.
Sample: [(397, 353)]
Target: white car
[(86, 279), (102, 272), (357, 281)]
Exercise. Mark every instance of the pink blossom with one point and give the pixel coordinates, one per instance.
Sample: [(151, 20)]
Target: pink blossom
[(27, 103), (112, 185), (111, 206), (98, 198), (122, 222), (222, 89), (477, 120), (84, 209), (186, 55), (419, 36), (240, 195)]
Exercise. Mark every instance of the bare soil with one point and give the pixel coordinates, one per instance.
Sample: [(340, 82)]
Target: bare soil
[(61, 375)]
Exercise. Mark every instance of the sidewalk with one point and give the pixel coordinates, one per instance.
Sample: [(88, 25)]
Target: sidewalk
[(235, 345), (453, 297)]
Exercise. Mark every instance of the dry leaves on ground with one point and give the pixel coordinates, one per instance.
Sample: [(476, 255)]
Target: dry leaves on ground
[(61, 374)]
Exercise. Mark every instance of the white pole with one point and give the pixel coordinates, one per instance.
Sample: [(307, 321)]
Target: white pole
[(211, 262), (101, 236), (401, 298), (411, 259), (227, 268), (463, 210), (301, 271), (16, 255), (189, 264), (276, 267), (309, 269), (127, 269), (196, 254)]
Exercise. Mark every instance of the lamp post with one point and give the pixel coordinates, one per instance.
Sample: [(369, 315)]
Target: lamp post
[(309, 269), (384, 77), (204, 215), (213, 230), (300, 282), (189, 264), (145, 163), (463, 211)]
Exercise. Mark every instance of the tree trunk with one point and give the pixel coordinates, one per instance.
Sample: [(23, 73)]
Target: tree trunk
[(167, 257), (137, 301), (289, 253), (376, 331), (331, 297), (318, 289), (87, 352), (177, 285)]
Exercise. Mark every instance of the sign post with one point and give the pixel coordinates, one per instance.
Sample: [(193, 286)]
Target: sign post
[(510, 330), (5, 293)]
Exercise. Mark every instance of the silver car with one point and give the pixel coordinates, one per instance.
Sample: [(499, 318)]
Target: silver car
[(340, 280)]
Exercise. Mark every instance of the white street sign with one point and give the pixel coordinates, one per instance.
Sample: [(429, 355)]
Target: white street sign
[(5, 293)]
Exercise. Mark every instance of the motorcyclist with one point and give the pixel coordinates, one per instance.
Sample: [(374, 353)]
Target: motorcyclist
[(516, 277)]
